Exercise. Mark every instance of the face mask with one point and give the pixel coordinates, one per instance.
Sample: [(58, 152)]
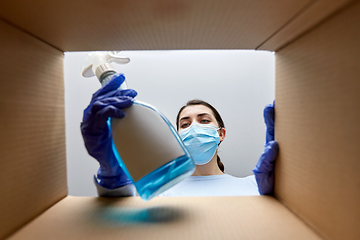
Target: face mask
[(201, 140)]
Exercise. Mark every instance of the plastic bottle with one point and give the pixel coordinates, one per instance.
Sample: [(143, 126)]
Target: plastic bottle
[(146, 145)]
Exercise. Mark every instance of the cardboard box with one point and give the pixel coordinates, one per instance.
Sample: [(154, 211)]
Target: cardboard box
[(317, 188)]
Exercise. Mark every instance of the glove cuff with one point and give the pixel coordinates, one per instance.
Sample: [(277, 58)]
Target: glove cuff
[(265, 182), (111, 182), (124, 191)]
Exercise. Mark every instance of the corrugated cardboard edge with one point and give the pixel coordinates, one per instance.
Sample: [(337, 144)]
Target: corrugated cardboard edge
[(32, 128), (310, 16), (148, 25), (317, 126), (177, 218)]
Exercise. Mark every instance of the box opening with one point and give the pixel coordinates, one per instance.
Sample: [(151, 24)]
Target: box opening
[(238, 83)]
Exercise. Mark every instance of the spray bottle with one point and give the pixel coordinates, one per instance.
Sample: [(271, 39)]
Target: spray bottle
[(146, 145)]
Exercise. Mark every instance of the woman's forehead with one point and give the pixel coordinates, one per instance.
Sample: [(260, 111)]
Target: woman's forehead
[(194, 110)]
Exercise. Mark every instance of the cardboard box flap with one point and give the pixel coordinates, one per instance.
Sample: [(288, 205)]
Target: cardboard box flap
[(167, 218), (312, 14), (32, 132), (135, 24), (317, 126)]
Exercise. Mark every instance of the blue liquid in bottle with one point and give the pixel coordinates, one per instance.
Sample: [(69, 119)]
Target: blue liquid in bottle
[(167, 175)]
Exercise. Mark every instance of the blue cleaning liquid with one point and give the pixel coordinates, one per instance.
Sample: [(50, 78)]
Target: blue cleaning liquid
[(165, 176)]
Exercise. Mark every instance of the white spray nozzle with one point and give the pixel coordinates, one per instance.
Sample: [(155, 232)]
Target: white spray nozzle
[(97, 63)]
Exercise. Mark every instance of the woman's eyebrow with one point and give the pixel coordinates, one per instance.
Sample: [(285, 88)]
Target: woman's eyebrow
[(199, 115), (184, 118), (203, 114)]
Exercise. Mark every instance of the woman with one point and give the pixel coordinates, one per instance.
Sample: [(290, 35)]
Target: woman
[(198, 119), (197, 116)]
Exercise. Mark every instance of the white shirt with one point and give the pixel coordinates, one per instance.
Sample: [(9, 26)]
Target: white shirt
[(214, 185)]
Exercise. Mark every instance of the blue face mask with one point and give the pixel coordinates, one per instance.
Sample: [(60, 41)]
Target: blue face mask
[(201, 140)]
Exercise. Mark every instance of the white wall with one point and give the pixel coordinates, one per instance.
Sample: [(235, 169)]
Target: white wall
[(237, 83)]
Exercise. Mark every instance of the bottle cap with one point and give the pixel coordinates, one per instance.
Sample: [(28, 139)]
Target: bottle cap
[(103, 68), (97, 63)]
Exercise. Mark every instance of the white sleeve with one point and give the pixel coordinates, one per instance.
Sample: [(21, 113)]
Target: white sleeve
[(252, 180), (125, 191)]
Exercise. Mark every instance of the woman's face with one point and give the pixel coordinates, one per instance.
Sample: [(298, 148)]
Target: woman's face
[(196, 113), (200, 114)]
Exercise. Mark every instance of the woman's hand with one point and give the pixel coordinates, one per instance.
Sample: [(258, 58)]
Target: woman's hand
[(106, 103), (264, 170)]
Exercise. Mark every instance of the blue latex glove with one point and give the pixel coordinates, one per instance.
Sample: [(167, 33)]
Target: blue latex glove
[(264, 170), (106, 103)]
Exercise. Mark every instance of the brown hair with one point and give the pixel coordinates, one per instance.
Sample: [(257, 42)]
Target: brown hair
[(217, 117)]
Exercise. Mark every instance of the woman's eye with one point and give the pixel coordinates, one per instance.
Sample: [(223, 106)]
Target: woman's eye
[(185, 125), (204, 121)]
